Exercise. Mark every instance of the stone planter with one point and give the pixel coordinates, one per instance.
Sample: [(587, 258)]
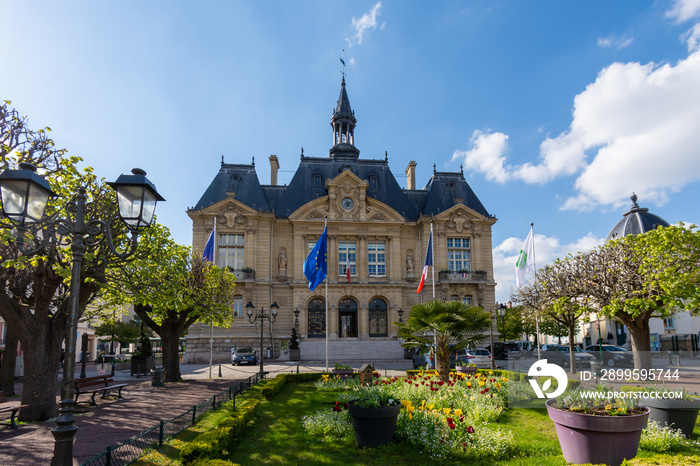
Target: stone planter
[(295, 355), (585, 438), (465, 370), (373, 426), (343, 373), (680, 414)]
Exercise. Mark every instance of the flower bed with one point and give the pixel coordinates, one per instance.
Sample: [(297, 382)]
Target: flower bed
[(446, 419)]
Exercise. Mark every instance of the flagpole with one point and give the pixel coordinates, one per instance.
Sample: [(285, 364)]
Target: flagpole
[(325, 227), (534, 266), (211, 324), (432, 253)]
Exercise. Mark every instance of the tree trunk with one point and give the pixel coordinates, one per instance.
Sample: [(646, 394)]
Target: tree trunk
[(39, 386), (171, 355), (9, 360), (442, 358), (572, 351), (641, 345)]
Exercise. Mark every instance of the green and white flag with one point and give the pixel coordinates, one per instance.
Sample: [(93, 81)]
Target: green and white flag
[(526, 259)]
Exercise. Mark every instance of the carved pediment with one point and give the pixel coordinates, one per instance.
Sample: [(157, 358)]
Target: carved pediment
[(228, 212), (460, 218)]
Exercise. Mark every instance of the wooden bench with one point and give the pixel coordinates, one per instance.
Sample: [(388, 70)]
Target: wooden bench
[(94, 385), (12, 409)]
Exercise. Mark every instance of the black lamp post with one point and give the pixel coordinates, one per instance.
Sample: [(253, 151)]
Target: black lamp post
[(501, 314), (400, 312), (296, 318), (261, 315), (24, 196)]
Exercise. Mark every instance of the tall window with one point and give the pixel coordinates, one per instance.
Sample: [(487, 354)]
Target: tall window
[(376, 259), (238, 306), (317, 318), (378, 318), (467, 300), (231, 251), (347, 257), (458, 254)]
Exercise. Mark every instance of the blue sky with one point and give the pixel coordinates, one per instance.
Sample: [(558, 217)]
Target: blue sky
[(557, 110)]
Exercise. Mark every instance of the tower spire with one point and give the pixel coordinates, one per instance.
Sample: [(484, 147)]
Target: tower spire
[(343, 123)]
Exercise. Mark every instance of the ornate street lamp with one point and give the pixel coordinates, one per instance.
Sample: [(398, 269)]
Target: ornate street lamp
[(261, 315), (24, 196), (400, 312), (501, 314)]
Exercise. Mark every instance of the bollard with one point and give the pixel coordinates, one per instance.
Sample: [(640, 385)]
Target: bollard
[(160, 433), (219, 370), (670, 357), (108, 456), (678, 360), (297, 368)]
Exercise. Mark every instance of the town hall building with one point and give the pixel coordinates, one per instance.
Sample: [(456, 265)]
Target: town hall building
[(377, 230)]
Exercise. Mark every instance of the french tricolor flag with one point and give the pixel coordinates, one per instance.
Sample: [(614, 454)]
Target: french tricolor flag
[(428, 262)]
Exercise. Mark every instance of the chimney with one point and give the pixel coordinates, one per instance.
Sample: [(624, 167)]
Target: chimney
[(274, 166), (411, 175)]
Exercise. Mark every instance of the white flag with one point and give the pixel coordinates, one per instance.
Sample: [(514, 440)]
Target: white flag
[(526, 260)]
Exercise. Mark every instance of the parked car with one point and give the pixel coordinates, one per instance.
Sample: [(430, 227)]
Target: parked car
[(559, 354), (612, 355), (243, 355), (503, 350), (479, 357), (524, 345)]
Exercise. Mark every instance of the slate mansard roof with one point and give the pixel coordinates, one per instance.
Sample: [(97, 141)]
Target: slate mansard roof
[(444, 189)]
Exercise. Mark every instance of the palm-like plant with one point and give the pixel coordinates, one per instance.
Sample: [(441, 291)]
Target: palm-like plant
[(448, 324)]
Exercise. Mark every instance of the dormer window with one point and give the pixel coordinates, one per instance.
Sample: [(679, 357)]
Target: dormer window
[(318, 180)]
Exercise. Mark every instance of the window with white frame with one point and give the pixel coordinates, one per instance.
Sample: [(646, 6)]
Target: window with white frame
[(237, 306), (347, 258), (231, 251), (458, 254), (467, 300), (376, 259)]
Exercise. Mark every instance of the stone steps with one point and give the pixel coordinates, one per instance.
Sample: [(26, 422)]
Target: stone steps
[(349, 351)]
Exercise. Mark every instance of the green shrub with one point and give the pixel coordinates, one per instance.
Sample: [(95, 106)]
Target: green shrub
[(215, 462), (656, 437), (272, 386), (195, 451)]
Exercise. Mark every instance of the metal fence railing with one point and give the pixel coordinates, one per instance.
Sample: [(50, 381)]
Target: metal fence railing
[(124, 453)]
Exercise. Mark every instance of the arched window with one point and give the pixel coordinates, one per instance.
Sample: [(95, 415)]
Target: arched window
[(378, 318), (347, 318), (317, 318), (468, 300)]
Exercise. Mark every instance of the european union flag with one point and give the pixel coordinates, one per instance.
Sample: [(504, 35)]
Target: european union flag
[(208, 254), (316, 263)]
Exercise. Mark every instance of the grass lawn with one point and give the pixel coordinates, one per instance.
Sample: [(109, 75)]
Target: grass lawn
[(277, 437)]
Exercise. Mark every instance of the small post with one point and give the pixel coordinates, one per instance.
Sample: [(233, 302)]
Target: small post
[(161, 428), (194, 414), (219, 370), (108, 456), (214, 401)]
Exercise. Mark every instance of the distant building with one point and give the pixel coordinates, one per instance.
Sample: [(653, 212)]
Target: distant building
[(376, 229)]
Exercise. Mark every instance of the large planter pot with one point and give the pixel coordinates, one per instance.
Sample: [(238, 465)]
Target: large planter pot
[(465, 370), (373, 426), (141, 366), (295, 355), (343, 373), (680, 414), (585, 438)]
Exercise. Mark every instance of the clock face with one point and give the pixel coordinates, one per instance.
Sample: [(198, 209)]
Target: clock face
[(347, 203)]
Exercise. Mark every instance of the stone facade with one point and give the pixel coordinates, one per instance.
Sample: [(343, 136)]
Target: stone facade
[(377, 229)]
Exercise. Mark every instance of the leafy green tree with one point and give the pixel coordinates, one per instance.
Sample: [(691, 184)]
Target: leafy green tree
[(511, 326), (170, 290), (34, 291), (115, 330), (451, 325), (640, 277)]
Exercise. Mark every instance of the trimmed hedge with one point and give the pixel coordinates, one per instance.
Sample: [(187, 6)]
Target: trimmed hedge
[(304, 377), (271, 387)]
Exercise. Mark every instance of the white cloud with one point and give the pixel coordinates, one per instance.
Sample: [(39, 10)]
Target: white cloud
[(486, 156), (692, 38), (547, 249), (684, 10), (633, 129), (367, 22), (615, 42)]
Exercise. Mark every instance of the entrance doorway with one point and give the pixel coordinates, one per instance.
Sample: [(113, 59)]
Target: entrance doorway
[(347, 318)]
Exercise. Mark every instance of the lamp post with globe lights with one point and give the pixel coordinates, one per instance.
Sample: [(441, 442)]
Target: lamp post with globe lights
[(24, 196), (261, 315)]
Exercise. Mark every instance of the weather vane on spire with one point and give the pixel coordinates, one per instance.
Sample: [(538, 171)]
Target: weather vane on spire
[(343, 62)]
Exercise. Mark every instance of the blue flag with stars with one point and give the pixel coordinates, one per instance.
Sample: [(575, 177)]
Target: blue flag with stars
[(316, 263)]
